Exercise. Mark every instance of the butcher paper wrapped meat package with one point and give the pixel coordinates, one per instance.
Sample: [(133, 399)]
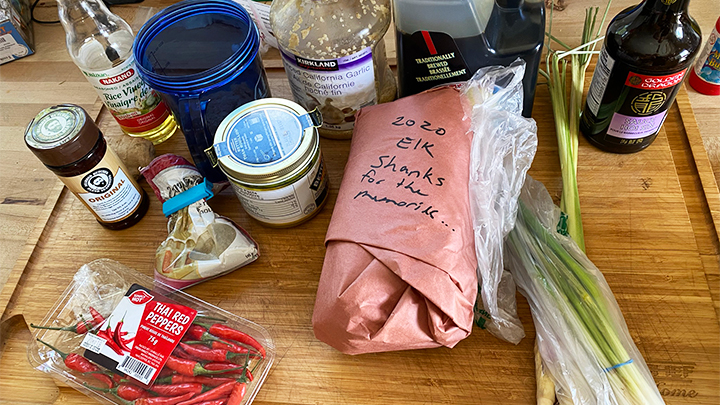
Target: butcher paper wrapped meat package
[(400, 270)]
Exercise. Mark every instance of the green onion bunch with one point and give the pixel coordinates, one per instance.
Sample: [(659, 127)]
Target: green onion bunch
[(567, 108), (582, 335)]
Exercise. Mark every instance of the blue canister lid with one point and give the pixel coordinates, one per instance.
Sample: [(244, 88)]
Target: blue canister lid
[(196, 19), (265, 140)]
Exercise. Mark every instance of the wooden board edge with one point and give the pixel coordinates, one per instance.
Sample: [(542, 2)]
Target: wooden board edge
[(8, 290), (700, 156), (31, 244)]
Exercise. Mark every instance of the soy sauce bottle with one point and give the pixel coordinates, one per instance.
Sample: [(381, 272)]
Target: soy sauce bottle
[(647, 52)]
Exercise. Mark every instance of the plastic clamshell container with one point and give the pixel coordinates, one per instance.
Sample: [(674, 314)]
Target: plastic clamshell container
[(102, 283)]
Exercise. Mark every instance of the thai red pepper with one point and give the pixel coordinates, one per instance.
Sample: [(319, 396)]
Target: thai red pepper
[(117, 378), (233, 347), (229, 346), (164, 400), (97, 318), (218, 392), (179, 352), (104, 378), (197, 333), (225, 332), (223, 368), (128, 392), (74, 361), (193, 368), (200, 379), (214, 402), (165, 372), (237, 394), (203, 353), (177, 389)]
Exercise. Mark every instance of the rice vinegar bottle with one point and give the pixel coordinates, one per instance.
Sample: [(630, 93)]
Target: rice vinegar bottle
[(100, 44), (647, 52)]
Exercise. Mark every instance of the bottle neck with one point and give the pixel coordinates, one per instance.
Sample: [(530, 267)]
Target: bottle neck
[(666, 6)]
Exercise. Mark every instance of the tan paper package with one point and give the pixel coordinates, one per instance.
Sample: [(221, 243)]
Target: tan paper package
[(400, 267)]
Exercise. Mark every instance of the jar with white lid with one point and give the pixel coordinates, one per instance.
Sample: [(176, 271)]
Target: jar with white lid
[(270, 151)]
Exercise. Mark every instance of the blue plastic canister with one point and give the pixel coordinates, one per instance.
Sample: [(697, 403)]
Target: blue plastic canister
[(202, 57)]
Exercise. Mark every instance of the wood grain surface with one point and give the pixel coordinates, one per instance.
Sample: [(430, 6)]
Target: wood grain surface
[(649, 227)]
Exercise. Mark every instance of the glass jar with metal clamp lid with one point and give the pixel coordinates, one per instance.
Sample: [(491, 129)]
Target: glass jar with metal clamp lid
[(270, 151)]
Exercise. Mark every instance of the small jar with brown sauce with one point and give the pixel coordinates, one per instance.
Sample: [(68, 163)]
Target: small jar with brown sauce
[(67, 141)]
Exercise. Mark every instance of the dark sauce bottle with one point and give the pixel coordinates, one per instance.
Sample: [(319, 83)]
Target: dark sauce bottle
[(428, 57), (68, 142), (647, 52)]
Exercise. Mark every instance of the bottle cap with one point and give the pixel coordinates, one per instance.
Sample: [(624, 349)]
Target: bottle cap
[(61, 135), (705, 75)]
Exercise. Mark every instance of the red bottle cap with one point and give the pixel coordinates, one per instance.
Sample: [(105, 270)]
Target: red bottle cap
[(708, 66)]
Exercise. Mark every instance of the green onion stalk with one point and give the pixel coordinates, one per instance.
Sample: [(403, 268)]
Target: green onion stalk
[(566, 110), (574, 309)]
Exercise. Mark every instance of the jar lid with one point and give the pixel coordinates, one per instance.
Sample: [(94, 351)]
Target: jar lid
[(264, 141), (61, 135)]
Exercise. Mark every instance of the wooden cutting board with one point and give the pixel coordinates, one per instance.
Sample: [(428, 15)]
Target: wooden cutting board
[(650, 227)]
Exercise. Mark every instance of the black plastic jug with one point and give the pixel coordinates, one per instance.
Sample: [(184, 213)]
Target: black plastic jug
[(445, 41)]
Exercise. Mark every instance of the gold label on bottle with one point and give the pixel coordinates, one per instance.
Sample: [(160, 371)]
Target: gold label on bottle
[(106, 189)]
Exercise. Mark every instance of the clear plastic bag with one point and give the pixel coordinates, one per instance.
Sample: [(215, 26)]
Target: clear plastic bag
[(201, 244), (502, 151), (582, 335)]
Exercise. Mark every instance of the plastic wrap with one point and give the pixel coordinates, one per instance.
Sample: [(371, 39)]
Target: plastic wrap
[(582, 336), (201, 244), (502, 151), (400, 271), (101, 285)]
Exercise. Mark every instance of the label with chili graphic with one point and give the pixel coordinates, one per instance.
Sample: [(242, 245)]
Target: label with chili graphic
[(140, 334), (135, 106)]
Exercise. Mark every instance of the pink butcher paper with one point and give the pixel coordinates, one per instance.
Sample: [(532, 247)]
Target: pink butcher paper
[(399, 272)]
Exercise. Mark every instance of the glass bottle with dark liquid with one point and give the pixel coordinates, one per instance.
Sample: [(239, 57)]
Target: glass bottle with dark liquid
[(445, 41), (647, 52)]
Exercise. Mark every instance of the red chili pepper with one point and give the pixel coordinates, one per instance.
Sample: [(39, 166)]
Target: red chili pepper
[(223, 368), (177, 389), (228, 333), (126, 391), (74, 361), (118, 338), (237, 394), (107, 335), (132, 392), (97, 318), (197, 333), (193, 368), (179, 352), (164, 400), (200, 379), (232, 347), (165, 372), (104, 378), (117, 378), (203, 353), (216, 393), (215, 402)]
